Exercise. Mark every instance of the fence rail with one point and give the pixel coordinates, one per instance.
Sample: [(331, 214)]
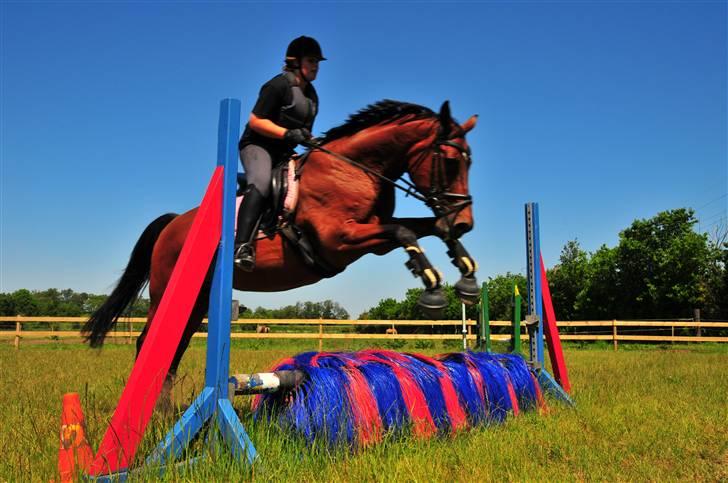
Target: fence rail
[(125, 329)]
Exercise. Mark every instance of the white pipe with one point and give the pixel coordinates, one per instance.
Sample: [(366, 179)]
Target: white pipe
[(265, 382)]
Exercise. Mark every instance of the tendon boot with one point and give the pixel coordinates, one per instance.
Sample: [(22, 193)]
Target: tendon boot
[(248, 218)]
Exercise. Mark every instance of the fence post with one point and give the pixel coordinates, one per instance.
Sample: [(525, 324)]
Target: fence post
[(130, 327), (17, 334), (614, 333), (470, 331), (321, 335), (696, 318), (484, 319), (464, 329)]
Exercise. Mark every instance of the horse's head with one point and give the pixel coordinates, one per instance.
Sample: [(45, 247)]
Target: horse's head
[(438, 166)]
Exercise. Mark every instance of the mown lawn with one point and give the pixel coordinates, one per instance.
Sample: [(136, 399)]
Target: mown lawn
[(643, 413)]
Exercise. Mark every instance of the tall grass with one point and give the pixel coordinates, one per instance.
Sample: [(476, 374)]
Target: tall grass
[(657, 413)]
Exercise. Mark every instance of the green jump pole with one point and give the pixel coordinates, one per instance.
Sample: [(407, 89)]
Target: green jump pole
[(516, 322), (484, 319)]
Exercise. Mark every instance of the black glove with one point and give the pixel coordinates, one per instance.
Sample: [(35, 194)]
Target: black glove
[(298, 136)]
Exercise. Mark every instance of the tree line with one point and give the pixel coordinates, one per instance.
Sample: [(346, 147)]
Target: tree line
[(60, 303), (328, 309), (67, 303)]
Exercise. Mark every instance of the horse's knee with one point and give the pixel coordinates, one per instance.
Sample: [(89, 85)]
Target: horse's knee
[(405, 236)]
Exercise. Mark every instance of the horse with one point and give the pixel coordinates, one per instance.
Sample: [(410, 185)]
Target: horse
[(345, 209)]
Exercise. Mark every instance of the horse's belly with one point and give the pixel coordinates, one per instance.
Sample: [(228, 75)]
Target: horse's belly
[(277, 267)]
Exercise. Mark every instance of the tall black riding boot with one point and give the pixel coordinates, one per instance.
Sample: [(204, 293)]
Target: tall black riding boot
[(250, 210)]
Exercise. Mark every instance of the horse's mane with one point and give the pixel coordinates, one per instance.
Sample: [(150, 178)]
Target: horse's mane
[(382, 112)]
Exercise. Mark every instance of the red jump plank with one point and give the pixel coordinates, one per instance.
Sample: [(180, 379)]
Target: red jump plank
[(558, 365), (147, 376)]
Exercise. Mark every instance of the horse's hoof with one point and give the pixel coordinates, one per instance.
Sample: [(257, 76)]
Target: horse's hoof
[(164, 405), (433, 303), (467, 290)]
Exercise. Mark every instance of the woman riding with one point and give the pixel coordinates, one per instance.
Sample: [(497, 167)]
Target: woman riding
[(282, 118)]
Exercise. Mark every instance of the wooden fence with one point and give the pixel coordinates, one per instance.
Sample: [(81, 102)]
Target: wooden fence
[(323, 329)]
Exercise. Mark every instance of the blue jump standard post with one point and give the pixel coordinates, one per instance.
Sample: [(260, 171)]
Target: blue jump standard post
[(535, 307), (213, 400)]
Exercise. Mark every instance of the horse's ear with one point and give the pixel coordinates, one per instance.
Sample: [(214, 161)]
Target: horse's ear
[(470, 123), (445, 118)]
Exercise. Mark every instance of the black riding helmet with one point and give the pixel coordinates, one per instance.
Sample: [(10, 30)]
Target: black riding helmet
[(303, 47)]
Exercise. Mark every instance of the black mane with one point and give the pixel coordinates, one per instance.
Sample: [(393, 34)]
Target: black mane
[(383, 111)]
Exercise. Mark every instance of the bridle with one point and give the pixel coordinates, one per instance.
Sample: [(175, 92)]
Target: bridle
[(442, 202)]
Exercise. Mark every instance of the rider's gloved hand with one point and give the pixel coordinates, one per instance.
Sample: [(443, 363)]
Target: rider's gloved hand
[(298, 136)]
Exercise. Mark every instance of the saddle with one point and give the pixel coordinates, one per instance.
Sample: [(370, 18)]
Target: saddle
[(279, 214)]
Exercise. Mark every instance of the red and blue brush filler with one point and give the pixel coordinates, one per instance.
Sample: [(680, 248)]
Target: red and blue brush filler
[(358, 397), (350, 398)]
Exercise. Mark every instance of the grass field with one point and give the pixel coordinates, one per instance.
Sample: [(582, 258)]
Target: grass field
[(643, 413)]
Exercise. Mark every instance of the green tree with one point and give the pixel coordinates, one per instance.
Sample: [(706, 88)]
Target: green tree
[(600, 297), (7, 304), (715, 284), (25, 303), (567, 279), (662, 264), (92, 303), (328, 309), (386, 309), (500, 295), (139, 308)]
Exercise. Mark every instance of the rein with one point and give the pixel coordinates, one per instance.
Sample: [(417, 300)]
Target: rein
[(410, 190), (436, 199)]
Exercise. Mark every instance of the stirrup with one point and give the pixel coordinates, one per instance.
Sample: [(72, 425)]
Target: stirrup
[(245, 257)]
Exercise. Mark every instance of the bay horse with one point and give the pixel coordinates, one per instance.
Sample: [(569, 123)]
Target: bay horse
[(345, 208)]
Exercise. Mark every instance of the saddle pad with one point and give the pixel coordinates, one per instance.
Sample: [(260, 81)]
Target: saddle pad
[(291, 195)]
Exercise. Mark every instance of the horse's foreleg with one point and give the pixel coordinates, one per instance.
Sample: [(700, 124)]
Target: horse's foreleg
[(421, 227), (467, 286), (375, 237)]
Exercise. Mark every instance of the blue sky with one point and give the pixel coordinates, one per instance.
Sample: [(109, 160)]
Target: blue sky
[(602, 112)]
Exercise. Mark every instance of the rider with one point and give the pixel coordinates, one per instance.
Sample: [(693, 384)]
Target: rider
[(282, 118)]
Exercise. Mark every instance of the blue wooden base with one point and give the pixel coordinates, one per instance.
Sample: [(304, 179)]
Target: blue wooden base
[(191, 422), (549, 385), (184, 431)]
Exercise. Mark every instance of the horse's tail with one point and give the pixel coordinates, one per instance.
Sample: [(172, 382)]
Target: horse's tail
[(129, 286)]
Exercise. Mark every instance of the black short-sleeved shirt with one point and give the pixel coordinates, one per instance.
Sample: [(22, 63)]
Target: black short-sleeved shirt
[(274, 96)]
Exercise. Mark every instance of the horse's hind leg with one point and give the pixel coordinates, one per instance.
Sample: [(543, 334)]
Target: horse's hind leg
[(193, 324)]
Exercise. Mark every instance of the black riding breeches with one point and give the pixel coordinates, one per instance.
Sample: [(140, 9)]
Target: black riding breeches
[(258, 164)]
